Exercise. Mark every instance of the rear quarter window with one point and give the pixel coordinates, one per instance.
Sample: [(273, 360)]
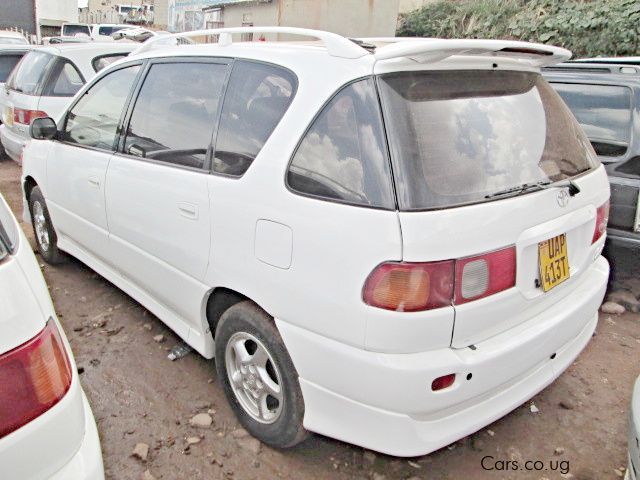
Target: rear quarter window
[(342, 157), (29, 74), (65, 80)]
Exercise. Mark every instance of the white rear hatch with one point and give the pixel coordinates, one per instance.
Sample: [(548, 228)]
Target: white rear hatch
[(483, 159)]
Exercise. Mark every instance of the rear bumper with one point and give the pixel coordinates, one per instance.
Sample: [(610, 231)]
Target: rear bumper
[(384, 401), (86, 464), (12, 143)]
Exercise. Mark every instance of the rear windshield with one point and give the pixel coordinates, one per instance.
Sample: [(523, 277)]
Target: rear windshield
[(27, 76), (72, 30), (7, 62), (604, 111), (457, 137)]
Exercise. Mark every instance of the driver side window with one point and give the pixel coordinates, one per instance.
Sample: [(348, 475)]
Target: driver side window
[(93, 121)]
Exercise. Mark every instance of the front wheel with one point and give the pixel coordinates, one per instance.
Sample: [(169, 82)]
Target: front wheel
[(258, 376), (46, 239)]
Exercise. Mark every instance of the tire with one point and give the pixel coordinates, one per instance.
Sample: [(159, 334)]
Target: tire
[(253, 333), (46, 238)]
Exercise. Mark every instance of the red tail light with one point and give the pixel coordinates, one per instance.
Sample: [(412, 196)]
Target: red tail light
[(33, 378), (484, 275), (25, 117), (412, 287), (602, 218)]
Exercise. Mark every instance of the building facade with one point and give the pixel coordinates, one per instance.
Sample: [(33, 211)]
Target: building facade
[(52, 14), (139, 12), (346, 17)]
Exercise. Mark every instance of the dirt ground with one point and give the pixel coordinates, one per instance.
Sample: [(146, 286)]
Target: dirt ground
[(138, 395)]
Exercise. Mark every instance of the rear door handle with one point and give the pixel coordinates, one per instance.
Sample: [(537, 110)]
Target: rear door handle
[(94, 181), (188, 210)]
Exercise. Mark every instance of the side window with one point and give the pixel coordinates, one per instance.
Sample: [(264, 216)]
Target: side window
[(257, 97), (93, 121), (175, 113), (343, 155), (28, 74), (65, 81)]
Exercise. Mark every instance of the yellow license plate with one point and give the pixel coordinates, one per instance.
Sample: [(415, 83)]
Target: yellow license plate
[(553, 261)]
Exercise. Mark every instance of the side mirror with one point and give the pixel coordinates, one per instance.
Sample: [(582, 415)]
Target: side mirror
[(43, 129)]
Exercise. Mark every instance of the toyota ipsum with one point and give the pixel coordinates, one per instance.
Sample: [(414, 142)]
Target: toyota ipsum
[(391, 242)]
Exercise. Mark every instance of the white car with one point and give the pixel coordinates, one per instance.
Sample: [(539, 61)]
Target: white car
[(42, 406), (9, 37), (633, 470), (104, 31), (10, 55), (43, 83), (391, 245)]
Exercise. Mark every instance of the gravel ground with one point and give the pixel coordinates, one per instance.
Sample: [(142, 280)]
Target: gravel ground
[(139, 396)]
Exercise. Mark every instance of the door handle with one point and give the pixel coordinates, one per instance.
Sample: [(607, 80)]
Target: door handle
[(94, 181), (188, 210)]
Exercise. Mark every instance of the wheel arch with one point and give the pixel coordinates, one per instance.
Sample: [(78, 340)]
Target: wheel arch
[(28, 185), (220, 299)]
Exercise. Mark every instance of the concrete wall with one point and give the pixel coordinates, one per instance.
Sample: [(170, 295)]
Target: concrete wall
[(56, 12), (18, 13), (161, 14)]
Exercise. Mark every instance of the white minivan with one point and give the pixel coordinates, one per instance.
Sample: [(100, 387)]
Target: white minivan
[(390, 242)]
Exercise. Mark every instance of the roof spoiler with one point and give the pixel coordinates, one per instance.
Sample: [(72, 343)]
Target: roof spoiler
[(435, 50), (336, 45)]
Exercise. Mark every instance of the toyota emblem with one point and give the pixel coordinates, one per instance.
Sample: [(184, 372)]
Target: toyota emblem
[(563, 198)]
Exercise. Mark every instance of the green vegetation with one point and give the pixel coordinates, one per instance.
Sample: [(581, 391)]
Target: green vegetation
[(587, 27)]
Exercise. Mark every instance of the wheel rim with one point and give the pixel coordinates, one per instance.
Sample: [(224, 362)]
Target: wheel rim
[(254, 377), (40, 226)]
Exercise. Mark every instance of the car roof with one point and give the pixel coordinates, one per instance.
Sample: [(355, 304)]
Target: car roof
[(618, 60), (11, 33), (9, 47), (73, 50)]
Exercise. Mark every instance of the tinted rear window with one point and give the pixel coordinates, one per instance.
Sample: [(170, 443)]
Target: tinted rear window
[(604, 111), (99, 63), (457, 137), (72, 30), (28, 75), (7, 62)]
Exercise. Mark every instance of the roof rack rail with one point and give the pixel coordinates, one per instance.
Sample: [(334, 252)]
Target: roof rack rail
[(336, 45), (430, 50), (594, 67)]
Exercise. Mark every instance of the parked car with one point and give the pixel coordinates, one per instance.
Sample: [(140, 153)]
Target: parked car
[(605, 99), (75, 30), (609, 60), (43, 83), (10, 55), (9, 37), (244, 194), (104, 31), (42, 406)]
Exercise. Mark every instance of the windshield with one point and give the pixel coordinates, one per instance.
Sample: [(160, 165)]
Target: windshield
[(457, 137), (30, 71), (604, 111)]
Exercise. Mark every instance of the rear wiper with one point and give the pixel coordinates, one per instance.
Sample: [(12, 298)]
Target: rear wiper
[(528, 187)]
